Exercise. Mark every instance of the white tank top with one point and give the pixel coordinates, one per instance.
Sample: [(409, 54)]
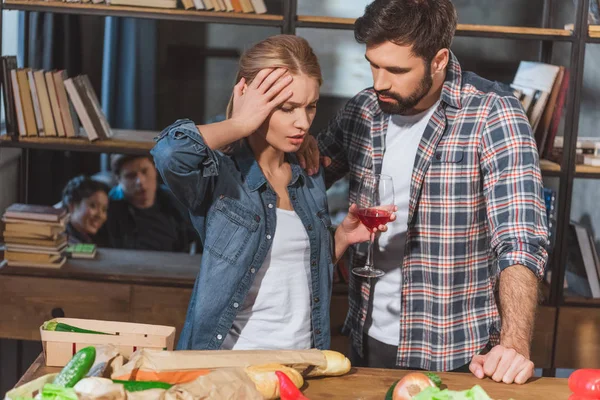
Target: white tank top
[(276, 313)]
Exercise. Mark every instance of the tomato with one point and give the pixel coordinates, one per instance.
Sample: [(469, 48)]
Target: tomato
[(586, 383), (579, 397), (411, 385)]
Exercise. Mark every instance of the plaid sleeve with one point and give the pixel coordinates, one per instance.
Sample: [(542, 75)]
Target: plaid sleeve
[(331, 144), (513, 188)]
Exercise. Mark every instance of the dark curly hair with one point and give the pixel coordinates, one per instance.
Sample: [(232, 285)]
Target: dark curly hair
[(80, 188), (427, 25)]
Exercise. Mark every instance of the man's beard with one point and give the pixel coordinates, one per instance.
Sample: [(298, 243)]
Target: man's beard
[(406, 105)]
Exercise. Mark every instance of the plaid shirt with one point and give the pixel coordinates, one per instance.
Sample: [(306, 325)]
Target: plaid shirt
[(476, 208)]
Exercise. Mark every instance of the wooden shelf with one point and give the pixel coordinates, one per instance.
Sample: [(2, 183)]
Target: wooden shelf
[(581, 301), (123, 141), (491, 31), (549, 168), (145, 12), (587, 171)]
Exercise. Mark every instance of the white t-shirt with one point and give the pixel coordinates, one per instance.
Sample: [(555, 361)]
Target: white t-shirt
[(276, 313), (403, 136)]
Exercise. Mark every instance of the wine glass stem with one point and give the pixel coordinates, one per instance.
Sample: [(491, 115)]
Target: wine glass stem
[(369, 264)]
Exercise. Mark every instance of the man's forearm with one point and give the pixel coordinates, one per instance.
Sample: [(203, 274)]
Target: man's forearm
[(518, 304)]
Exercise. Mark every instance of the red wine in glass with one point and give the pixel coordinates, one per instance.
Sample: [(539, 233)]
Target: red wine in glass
[(375, 201), (373, 217)]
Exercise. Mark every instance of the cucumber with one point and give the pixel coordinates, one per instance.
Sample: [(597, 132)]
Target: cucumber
[(138, 386), (390, 393), (76, 369), (60, 327)]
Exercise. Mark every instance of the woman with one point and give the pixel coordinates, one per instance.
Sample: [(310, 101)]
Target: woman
[(266, 273), (87, 202)]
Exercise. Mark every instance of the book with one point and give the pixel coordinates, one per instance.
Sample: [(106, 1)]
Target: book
[(86, 90), (187, 4), (35, 212), (36, 251), (26, 102), (209, 4), (63, 103), (237, 6), (59, 242), (541, 134), (199, 4), (246, 6), (60, 128), (58, 264), (550, 202), (82, 250), (37, 108), (18, 104), (81, 109), (62, 223), (9, 63), (259, 6), (558, 113), (228, 5), (534, 81), (146, 3), (45, 106), (585, 246), (31, 231)]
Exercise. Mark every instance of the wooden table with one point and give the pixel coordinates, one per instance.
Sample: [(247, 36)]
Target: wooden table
[(371, 383)]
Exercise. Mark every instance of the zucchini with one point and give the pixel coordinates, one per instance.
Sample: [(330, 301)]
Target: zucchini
[(60, 327), (138, 386), (77, 368)]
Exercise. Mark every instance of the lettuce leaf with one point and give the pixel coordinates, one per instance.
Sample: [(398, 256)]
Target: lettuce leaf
[(434, 393)]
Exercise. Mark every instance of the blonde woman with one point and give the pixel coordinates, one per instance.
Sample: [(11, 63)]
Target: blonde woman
[(265, 277)]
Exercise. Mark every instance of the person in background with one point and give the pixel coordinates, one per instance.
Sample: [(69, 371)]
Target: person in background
[(143, 214), (87, 201)]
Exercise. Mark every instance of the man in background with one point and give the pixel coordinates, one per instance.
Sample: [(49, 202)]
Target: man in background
[(142, 214)]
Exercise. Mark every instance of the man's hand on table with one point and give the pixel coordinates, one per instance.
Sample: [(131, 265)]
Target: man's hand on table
[(502, 364)]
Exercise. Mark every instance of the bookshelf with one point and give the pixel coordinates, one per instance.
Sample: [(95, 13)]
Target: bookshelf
[(484, 31), (123, 141), (145, 12), (137, 142)]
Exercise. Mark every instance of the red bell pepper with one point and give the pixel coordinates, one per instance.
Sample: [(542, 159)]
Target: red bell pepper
[(287, 389), (585, 383)]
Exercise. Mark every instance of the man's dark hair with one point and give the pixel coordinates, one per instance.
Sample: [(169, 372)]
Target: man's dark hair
[(118, 160), (427, 25), (80, 188)]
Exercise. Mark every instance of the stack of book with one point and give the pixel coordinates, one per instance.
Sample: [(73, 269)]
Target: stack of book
[(587, 150), (49, 104), (238, 6), (542, 90), (35, 236)]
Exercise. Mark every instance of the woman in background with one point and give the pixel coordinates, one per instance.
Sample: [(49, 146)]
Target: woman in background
[(87, 202)]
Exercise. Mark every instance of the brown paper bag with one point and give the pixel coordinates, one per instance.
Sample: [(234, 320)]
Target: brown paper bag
[(222, 384), (186, 366)]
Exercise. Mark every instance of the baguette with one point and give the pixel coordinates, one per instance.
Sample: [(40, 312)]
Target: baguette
[(266, 381)]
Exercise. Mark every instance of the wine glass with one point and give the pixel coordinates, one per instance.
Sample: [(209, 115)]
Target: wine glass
[(375, 201)]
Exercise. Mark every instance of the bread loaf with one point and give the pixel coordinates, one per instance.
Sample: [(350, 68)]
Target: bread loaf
[(266, 381)]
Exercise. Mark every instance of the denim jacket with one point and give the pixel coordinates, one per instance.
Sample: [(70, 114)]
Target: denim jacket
[(233, 208)]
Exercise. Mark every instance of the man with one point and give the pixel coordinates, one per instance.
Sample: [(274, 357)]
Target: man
[(470, 223), (143, 215)]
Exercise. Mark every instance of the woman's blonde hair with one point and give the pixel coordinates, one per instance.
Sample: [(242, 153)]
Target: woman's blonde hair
[(281, 51)]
